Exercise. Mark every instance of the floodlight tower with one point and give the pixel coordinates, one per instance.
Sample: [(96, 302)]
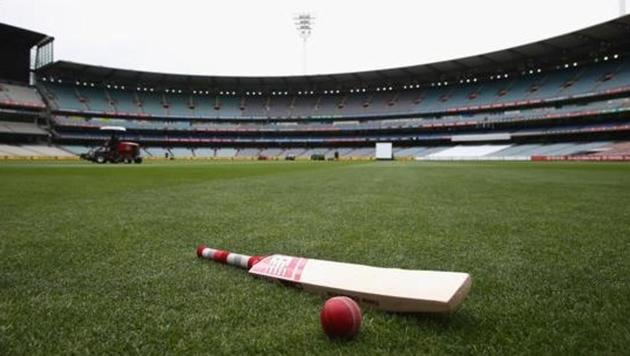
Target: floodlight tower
[(304, 24)]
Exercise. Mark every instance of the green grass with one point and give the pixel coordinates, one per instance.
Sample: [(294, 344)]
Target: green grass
[(101, 259)]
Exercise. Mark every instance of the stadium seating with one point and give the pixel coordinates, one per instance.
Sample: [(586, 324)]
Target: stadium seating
[(310, 152), (204, 152), (94, 99), (76, 150), (516, 150), (23, 128), (574, 108), (124, 103), (612, 150), (158, 152), (362, 152), (47, 151), (449, 152), (251, 152), (408, 152), (528, 150), (553, 85), (225, 153), (293, 152), (18, 95), (181, 152), (33, 151), (16, 151), (65, 98), (271, 152), (469, 151), (546, 113)]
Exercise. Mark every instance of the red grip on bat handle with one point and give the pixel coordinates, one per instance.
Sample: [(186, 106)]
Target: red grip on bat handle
[(200, 249), (227, 257), (217, 255)]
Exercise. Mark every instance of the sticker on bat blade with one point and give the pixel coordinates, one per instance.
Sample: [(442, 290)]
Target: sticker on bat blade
[(278, 266)]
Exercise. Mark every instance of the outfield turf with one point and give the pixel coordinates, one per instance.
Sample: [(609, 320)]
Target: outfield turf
[(101, 259)]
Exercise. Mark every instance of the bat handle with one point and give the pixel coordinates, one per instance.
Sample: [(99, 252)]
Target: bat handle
[(222, 256)]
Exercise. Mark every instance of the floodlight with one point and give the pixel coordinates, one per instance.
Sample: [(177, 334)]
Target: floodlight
[(304, 24)]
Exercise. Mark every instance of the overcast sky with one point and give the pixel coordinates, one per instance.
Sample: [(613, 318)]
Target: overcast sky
[(258, 37)]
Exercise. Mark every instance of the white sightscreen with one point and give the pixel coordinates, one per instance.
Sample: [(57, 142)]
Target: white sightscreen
[(384, 150)]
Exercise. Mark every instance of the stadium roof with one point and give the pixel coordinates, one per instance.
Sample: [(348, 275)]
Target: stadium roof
[(16, 35), (586, 44), (15, 52)]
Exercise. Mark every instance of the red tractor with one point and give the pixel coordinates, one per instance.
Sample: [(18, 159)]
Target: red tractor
[(114, 151)]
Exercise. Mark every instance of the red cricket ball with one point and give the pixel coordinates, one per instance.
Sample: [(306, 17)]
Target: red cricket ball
[(341, 318)]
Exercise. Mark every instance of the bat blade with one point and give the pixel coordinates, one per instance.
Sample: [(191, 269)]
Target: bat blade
[(390, 289)]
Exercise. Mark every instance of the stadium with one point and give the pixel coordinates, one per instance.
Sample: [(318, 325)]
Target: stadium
[(510, 165), (561, 98)]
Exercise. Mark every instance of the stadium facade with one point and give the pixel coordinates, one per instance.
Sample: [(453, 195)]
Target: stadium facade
[(566, 97)]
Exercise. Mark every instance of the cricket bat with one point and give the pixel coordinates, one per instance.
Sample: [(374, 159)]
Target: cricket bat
[(389, 289)]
